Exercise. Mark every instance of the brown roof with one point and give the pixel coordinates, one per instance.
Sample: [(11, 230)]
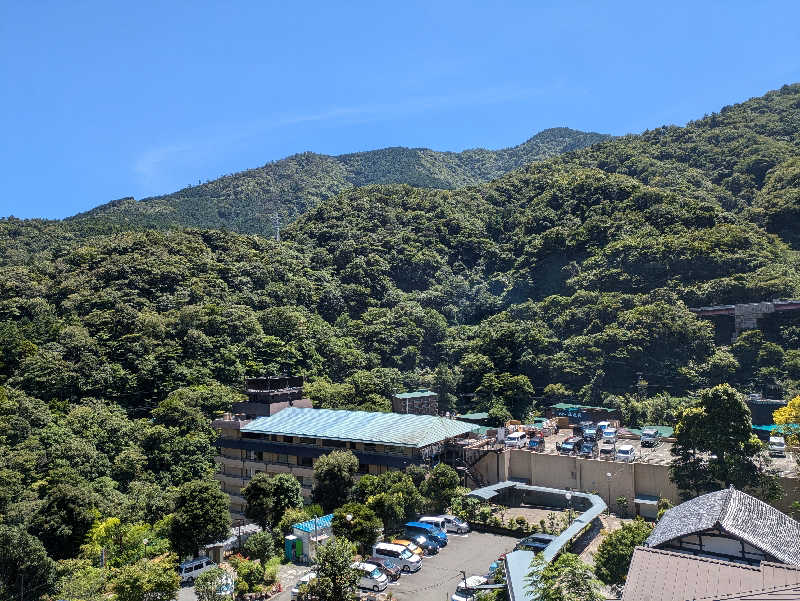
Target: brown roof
[(657, 575)]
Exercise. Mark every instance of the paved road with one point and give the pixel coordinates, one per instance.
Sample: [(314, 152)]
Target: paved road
[(186, 593)]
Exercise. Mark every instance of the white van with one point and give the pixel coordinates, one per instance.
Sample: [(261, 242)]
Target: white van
[(466, 588), (408, 561), (455, 524), (517, 440), (626, 454), (371, 576), (437, 521), (190, 570)]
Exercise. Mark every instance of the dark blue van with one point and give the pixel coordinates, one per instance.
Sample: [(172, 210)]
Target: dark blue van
[(432, 532)]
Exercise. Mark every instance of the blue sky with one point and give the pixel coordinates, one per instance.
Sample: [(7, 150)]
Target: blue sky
[(101, 100)]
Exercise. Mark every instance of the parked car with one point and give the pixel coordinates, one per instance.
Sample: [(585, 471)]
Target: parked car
[(589, 449), (429, 530), (437, 521), (371, 576), (535, 542), (410, 545), (387, 566), (650, 436), (536, 444), (777, 446), (466, 589), (407, 560), (304, 580), (428, 546), (455, 524), (603, 426), (517, 440), (571, 445), (580, 429), (591, 432), (626, 453), (610, 434), (608, 449), (190, 570)]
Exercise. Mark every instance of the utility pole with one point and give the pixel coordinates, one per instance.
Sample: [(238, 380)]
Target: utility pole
[(276, 221)]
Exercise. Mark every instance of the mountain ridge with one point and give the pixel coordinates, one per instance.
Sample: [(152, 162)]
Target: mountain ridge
[(247, 201)]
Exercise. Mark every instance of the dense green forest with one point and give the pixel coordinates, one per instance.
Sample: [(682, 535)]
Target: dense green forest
[(247, 202), (566, 278)]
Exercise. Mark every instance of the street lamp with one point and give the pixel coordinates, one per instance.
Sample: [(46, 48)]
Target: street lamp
[(568, 496), (145, 541), (608, 507)]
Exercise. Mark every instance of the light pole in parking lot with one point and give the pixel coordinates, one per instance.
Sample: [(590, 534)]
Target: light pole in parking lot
[(568, 496), (608, 507)]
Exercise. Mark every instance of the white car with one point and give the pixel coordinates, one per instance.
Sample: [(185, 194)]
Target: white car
[(610, 434), (626, 454), (304, 580), (777, 446), (467, 588), (455, 524), (371, 576)]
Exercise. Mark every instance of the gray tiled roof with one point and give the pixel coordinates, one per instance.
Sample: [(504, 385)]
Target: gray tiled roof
[(737, 513)]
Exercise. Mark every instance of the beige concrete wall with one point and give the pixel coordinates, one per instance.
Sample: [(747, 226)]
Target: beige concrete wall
[(588, 475)]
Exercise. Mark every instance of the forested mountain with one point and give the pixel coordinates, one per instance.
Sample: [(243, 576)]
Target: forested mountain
[(247, 201), (566, 278)]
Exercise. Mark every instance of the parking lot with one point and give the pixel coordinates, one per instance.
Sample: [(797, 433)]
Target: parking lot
[(660, 454), (440, 574)]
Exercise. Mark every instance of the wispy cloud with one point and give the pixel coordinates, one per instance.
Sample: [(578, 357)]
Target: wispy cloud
[(151, 164)]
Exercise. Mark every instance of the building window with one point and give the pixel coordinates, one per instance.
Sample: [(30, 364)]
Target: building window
[(306, 461), (334, 443), (308, 481), (369, 448), (363, 468), (311, 441), (282, 458)]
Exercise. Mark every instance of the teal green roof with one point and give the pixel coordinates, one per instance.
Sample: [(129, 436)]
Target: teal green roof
[(481, 430), (573, 406), (415, 394), (396, 429), (473, 416)]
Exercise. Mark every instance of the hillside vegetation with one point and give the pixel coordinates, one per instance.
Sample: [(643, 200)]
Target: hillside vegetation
[(568, 278), (246, 202)]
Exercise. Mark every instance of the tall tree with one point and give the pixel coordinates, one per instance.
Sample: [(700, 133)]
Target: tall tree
[(789, 418), (334, 476), (715, 446), (357, 523), (201, 517), (65, 518), (148, 580), (24, 562), (565, 579), (258, 494), (335, 580), (613, 558), (441, 486), (286, 494)]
